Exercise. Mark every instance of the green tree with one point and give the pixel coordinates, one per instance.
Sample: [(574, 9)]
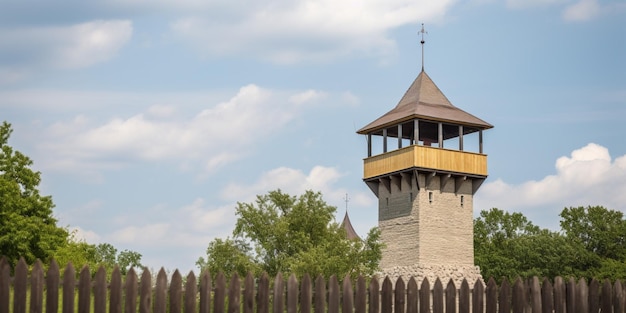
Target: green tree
[(509, 245), (27, 226), (288, 234), (599, 230), (81, 253)]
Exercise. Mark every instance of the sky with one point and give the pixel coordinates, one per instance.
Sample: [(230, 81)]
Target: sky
[(150, 120)]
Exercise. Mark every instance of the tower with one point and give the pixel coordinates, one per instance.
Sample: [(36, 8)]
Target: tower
[(425, 162)]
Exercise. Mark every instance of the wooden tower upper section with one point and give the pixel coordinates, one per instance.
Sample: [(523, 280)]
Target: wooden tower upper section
[(425, 132)]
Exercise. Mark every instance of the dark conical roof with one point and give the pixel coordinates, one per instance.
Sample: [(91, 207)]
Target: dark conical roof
[(347, 225), (424, 100)]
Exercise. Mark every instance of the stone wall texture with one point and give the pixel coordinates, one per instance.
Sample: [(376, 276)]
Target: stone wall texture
[(426, 221), (445, 273)]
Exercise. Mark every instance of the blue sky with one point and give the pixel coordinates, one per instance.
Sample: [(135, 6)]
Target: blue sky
[(150, 120)]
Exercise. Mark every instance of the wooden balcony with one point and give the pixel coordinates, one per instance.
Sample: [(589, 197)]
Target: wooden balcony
[(426, 158)]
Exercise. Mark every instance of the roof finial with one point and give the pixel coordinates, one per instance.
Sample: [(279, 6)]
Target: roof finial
[(346, 199), (422, 31)]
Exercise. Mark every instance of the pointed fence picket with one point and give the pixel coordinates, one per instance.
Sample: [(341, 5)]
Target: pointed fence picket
[(36, 292)]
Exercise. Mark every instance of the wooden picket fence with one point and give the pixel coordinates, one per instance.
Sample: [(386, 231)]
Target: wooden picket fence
[(259, 295)]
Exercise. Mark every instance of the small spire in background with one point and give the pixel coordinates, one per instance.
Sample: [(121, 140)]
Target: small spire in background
[(422, 31)]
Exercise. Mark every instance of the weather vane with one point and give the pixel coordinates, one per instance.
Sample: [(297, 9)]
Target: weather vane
[(422, 31)]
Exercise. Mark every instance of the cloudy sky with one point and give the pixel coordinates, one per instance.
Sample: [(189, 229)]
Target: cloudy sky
[(149, 120)]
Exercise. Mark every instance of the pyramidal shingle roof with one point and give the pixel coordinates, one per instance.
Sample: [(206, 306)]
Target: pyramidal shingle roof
[(424, 100), (347, 225)]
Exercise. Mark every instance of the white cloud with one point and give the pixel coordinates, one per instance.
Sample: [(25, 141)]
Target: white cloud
[(294, 31), (295, 182), (216, 135), (587, 177), (25, 50), (583, 10), (525, 4)]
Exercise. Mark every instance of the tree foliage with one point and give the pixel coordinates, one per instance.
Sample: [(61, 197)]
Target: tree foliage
[(81, 253), (590, 244), (288, 234), (27, 226)]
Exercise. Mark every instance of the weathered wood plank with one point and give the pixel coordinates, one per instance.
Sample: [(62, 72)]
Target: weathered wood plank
[(69, 286), (491, 296), (292, 294), (320, 295), (160, 292), (582, 296), (145, 292), (464, 297), (53, 278), (36, 288), (5, 285), (618, 297), (84, 290), (547, 297), (100, 291), (478, 294), (176, 293), (606, 297), (373, 296), (263, 295), (386, 296), (347, 301), (438, 297), (360, 302), (424, 299), (450, 297), (279, 294), (248, 294), (115, 290), (206, 288), (560, 296), (234, 294), (20, 286), (570, 295), (504, 301), (535, 295), (333, 294), (399, 296), (191, 290), (130, 291), (594, 296), (518, 299), (219, 293), (412, 296)]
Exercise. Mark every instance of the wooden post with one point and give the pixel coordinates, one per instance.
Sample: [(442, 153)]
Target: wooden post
[(176, 293), (384, 140), (191, 290), (36, 288), (424, 299), (398, 296), (100, 291), (84, 290), (320, 295), (234, 294), (412, 296), (115, 299), (160, 292), (438, 297), (306, 294), (219, 294), (248, 294), (145, 293), (52, 288), (130, 287)]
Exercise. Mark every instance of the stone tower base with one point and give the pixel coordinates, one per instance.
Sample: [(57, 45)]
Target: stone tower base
[(432, 272)]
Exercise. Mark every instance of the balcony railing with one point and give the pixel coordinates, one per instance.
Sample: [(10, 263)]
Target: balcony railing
[(429, 158)]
